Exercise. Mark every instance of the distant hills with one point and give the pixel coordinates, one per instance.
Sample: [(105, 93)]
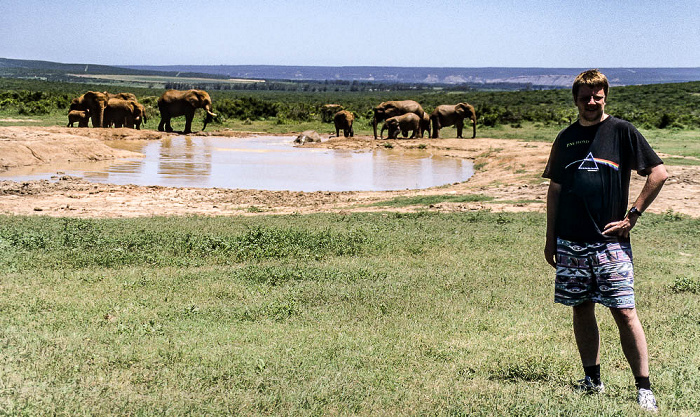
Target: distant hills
[(28, 68), (542, 77), (474, 77)]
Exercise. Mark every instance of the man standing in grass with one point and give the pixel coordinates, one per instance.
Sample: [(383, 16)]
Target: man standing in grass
[(588, 227)]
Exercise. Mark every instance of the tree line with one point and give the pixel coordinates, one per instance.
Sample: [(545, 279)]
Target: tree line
[(649, 106)]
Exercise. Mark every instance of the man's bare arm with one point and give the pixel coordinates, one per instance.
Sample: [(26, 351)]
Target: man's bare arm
[(550, 246), (655, 180)]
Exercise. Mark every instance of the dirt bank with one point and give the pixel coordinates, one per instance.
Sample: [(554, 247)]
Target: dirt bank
[(508, 170)]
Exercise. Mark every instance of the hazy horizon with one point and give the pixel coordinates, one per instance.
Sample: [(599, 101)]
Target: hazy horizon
[(431, 33)]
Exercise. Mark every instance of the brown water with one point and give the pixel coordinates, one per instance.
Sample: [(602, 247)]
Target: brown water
[(264, 163)]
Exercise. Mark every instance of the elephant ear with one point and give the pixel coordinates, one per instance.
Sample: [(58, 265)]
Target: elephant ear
[(468, 109), (194, 99)]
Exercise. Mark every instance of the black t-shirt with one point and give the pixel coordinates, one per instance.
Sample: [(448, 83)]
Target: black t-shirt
[(593, 165)]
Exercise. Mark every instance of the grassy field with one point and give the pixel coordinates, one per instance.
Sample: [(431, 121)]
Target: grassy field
[(156, 81), (363, 314)]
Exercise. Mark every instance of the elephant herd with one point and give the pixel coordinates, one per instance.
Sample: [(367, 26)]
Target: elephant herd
[(107, 110), (408, 116), (124, 110)]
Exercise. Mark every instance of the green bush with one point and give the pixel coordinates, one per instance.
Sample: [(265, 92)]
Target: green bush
[(663, 106)]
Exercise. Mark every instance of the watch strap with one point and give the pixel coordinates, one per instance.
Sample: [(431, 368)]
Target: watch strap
[(634, 210)]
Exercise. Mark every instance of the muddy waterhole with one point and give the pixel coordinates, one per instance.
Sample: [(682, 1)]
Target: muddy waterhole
[(262, 163)]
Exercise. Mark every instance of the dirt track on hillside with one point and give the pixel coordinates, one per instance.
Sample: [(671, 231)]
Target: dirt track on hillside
[(508, 170)]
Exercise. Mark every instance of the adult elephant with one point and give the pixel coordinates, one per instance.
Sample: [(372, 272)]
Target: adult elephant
[(402, 123), (448, 115), (174, 103), (390, 109), (343, 120), (94, 102), (121, 113)]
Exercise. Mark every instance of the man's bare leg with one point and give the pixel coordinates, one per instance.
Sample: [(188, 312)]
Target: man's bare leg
[(586, 333), (633, 340)]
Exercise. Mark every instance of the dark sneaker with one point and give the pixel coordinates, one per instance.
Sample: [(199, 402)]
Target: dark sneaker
[(586, 385), (646, 400)]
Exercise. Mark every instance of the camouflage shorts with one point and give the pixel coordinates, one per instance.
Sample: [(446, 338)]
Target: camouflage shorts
[(599, 272)]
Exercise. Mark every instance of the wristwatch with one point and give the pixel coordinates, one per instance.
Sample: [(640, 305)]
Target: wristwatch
[(634, 210)]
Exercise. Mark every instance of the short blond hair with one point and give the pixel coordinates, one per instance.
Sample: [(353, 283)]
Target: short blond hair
[(591, 78)]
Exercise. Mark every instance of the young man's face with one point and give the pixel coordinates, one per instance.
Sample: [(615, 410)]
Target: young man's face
[(591, 105)]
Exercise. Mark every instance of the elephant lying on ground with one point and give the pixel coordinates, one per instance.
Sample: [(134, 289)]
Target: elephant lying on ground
[(343, 120), (80, 116), (390, 109), (308, 136), (403, 124), (174, 103), (447, 115), (94, 102)]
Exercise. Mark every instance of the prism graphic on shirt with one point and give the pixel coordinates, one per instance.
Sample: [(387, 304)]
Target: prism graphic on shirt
[(590, 163)]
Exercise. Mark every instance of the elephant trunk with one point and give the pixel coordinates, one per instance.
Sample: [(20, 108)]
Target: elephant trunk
[(98, 117), (473, 127), (209, 117), (381, 133)]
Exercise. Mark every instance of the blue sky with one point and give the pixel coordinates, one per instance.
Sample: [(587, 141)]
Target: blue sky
[(432, 33)]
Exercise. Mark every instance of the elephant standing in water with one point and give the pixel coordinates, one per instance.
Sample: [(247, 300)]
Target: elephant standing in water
[(343, 120), (447, 115), (174, 103), (390, 109), (93, 102), (402, 123)]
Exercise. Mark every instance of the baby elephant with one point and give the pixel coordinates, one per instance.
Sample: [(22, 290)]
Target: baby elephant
[(343, 120), (402, 123), (79, 116)]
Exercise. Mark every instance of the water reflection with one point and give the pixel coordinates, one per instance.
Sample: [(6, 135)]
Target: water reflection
[(182, 158), (269, 163)]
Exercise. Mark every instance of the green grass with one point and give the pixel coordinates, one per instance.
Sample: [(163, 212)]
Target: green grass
[(362, 314), (526, 131), (674, 141), (56, 118), (518, 201), (426, 200), (681, 161)]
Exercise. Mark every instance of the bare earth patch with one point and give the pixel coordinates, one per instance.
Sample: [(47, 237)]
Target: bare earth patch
[(507, 170)]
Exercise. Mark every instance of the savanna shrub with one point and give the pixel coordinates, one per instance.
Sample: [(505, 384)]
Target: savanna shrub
[(296, 111), (245, 108)]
